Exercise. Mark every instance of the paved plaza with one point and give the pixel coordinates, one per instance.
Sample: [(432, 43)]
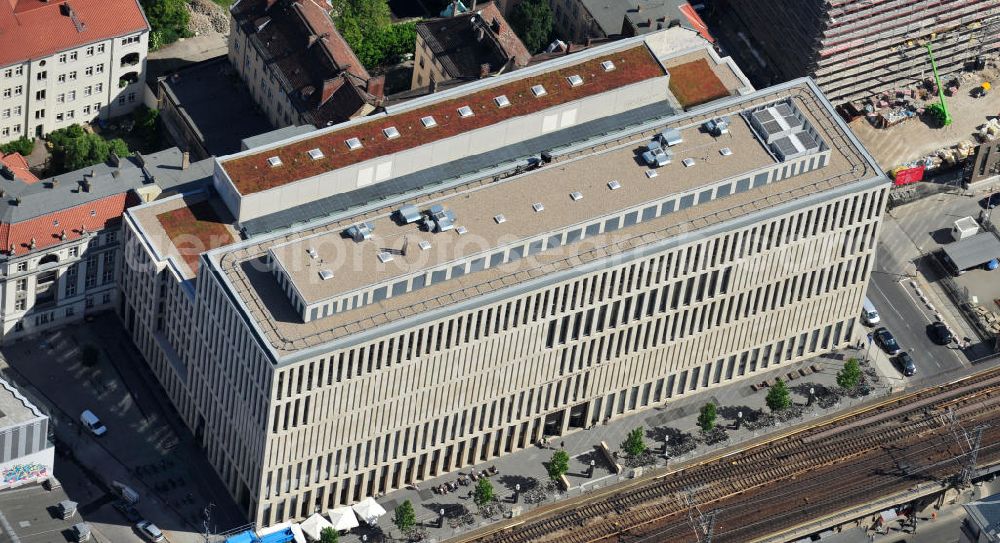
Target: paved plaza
[(521, 482)]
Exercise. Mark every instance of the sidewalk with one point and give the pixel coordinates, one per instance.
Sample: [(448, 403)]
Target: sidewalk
[(671, 432)]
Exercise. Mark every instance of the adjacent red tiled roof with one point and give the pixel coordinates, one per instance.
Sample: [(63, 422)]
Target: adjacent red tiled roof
[(317, 17), (47, 229), (696, 22), (19, 166), (508, 39), (32, 28), (252, 173)]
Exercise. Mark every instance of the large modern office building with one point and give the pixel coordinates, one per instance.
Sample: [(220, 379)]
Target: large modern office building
[(375, 303)]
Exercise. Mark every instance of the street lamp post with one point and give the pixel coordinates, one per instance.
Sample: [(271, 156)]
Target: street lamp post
[(441, 519), (593, 463), (812, 395), (517, 492), (739, 419)]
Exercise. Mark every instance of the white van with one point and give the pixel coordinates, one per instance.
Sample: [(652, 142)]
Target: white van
[(869, 314), (92, 423), (126, 493)]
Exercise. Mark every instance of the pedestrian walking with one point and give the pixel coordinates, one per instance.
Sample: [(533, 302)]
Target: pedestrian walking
[(562, 444)]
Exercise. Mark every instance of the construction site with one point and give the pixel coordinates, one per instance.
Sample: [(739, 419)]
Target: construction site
[(915, 77)]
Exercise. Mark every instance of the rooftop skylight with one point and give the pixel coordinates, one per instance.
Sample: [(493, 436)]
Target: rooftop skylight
[(353, 143), (428, 121), (502, 100), (538, 90), (465, 111), (274, 161), (390, 132), (575, 80), (315, 154)]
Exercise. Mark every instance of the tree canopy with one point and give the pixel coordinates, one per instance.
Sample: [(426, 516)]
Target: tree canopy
[(405, 518), (23, 145), (778, 398), (532, 21), (168, 21), (558, 465), (850, 376), (706, 419), (367, 27), (635, 443), (74, 148), (483, 493), (329, 535)]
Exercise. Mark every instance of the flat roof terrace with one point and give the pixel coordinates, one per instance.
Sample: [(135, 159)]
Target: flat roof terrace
[(356, 265), (252, 173), (15, 408), (281, 326)]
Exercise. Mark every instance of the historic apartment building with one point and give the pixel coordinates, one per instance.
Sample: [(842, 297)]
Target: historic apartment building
[(857, 48), (297, 66), (466, 46), (580, 20), (68, 62), (373, 304), (60, 242)]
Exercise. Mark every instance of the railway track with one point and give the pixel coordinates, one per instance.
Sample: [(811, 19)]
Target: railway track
[(781, 483)]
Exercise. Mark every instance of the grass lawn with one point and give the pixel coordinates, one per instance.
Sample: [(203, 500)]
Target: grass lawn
[(224, 3), (695, 83)]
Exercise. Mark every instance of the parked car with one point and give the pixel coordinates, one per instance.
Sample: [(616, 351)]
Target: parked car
[(869, 315), (886, 341), (906, 364), (130, 513), (150, 531), (92, 423), (939, 333)]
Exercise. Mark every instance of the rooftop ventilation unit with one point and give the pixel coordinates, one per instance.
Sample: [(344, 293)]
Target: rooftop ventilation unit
[(315, 154), (538, 90), (325, 275), (614, 185), (408, 214), (499, 218), (656, 156), (575, 80), (440, 219), (424, 245), (428, 122), (717, 126), (502, 100), (670, 137), (384, 257), (538, 206), (391, 132), (361, 232), (353, 143), (312, 252), (608, 65), (576, 195), (688, 162), (465, 111), (274, 161), (651, 174), (461, 230), (725, 151)]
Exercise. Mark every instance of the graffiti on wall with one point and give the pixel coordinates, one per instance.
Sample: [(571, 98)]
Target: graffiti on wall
[(23, 472)]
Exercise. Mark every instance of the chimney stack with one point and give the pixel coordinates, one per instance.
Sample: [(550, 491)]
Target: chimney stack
[(185, 160), (375, 86)]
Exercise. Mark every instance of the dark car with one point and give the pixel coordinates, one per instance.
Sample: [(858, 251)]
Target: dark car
[(939, 333), (906, 364), (130, 513), (993, 200), (884, 339)]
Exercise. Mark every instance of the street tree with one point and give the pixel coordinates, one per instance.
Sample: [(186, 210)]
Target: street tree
[(483, 493), (405, 518), (850, 376), (532, 21), (778, 398), (706, 419), (367, 27), (329, 535), (558, 465), (635, 442)]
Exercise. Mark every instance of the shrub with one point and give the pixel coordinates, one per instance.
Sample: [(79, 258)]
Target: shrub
[(22, 145)]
